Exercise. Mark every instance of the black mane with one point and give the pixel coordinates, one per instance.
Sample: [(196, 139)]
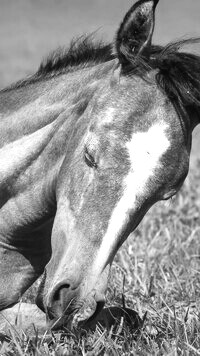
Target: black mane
[(178, 73), (83, 52)]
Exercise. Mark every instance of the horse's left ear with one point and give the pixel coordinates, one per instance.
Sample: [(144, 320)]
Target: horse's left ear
[(135, 33)]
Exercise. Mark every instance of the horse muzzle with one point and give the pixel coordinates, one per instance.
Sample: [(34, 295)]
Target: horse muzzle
[(65, 305), (76, 313)]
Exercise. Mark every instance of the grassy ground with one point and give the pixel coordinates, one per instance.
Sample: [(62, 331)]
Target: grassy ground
[(158, 272)]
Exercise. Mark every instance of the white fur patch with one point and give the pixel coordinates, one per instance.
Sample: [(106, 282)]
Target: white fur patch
[(145, 151)]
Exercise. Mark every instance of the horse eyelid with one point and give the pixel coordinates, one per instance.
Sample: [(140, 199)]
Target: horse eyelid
[(89, 159)]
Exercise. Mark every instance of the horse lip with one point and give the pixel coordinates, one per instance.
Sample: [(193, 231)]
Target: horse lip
[(50, 315), (88, 313), (99, 307), (91, 307), (57, 322), (77, 319)]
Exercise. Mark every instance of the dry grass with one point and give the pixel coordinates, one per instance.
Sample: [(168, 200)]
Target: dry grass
[(158, 272)]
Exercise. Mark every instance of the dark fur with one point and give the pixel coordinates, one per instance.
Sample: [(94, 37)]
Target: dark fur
[(82, 52), (178, 73)]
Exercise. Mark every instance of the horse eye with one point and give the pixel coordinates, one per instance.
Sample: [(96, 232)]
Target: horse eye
[(89, 159)]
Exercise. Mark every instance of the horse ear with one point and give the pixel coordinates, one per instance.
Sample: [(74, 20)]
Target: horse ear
[(135, 33)]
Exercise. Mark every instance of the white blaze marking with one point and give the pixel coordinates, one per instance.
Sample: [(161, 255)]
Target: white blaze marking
[(145, 150)]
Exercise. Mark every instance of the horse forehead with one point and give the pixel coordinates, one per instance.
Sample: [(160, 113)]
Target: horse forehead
[(132, 97)]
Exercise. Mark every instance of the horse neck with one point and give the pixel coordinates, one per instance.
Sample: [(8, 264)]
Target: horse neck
[(36, 122), (27, 108)]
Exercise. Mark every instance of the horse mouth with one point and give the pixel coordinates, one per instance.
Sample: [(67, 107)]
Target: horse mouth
[(75, 317)]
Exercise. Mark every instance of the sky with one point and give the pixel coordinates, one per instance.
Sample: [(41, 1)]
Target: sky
[(29, 29)]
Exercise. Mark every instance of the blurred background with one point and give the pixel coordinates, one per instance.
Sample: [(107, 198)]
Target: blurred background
[(30, 29)]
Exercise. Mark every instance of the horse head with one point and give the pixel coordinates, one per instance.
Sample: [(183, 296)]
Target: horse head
[(122, 157)]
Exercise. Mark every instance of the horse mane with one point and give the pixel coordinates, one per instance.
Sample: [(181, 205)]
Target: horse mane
[(178, 73), (83, 52)]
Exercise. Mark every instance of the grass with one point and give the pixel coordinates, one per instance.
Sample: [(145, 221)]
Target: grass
[(157, 271)]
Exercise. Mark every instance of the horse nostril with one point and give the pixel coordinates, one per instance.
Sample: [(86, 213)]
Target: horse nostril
[(61, 291), (62, 299)]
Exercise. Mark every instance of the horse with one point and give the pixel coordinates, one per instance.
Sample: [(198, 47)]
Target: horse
[(88, 144)]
